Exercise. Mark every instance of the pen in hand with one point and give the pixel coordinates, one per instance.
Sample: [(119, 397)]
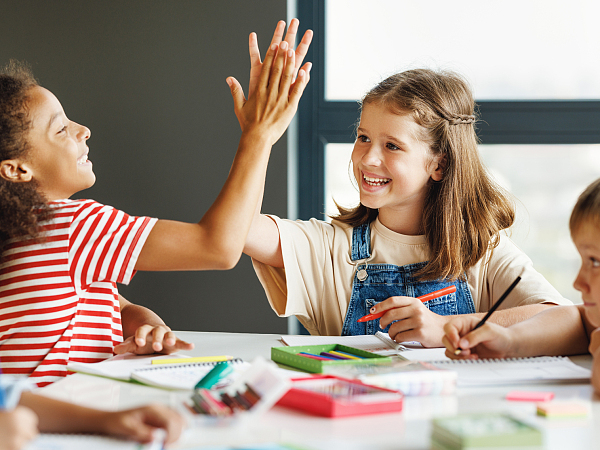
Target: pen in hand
[(423, 298), (492, 309)]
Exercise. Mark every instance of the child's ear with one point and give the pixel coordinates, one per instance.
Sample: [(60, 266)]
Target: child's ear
[(440, 163), (15, 171)]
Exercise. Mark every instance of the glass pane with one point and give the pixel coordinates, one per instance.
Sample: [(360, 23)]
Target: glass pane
[(339, 181), (514, 49), (546, 181)]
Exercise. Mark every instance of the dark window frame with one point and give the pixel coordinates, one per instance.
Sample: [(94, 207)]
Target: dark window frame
[(501, 122)]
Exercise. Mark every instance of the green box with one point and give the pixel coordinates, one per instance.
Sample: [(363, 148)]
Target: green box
[(289, 356), (484, 431)]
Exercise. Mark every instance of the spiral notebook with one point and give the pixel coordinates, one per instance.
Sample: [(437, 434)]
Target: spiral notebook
[(539, 369), (185, 376)]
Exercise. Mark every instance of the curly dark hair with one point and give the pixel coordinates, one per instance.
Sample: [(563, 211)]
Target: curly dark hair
[(23, 207)]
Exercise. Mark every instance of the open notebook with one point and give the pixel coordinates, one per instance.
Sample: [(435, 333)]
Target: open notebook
[(542, 369), (182, 376)]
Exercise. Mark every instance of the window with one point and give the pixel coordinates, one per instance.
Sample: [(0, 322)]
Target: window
[(534, 71)]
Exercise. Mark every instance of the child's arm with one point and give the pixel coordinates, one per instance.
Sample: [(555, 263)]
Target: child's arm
[(56, 416), (561, 330), (144, 332), (217, 241), (17, 428), (262, 242)]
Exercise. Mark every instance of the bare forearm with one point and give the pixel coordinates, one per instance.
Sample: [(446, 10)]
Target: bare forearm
[(56, 416), (217, 241), (556, 331), (228, 220), (511, 316)]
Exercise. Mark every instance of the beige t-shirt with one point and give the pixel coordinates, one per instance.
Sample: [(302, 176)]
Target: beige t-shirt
[(316, 283)]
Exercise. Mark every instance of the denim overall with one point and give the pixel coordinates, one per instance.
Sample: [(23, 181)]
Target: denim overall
[(374, 283)]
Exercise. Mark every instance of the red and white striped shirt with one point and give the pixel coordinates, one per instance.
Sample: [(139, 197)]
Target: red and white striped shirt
[(58, 298)]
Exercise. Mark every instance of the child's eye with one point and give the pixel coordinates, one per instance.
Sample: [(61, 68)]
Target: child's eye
[(362, 138), (63, 129), (595, 262), (392, 146)]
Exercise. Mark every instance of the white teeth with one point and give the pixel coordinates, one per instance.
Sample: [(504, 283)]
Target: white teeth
[(82, 160), (376, 181)]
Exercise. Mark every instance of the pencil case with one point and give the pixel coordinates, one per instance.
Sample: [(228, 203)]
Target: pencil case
[(290, 357), (332, 396)]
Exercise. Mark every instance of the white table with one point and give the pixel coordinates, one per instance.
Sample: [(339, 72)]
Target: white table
[(409, 429)]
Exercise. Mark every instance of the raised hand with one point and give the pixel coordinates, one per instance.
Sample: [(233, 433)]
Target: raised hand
[(270, 110), (290, 38)]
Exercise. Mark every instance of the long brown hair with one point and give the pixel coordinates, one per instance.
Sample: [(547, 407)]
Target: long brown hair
[(465, 211), (22, 207)]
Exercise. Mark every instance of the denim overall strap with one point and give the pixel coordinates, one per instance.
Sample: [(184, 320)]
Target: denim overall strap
[(361, 242), (373, 283)]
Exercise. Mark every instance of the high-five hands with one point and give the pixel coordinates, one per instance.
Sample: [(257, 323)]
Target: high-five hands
[(267, 113), (290, 37)]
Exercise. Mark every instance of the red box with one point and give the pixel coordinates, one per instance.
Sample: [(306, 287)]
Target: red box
[(332, 396)]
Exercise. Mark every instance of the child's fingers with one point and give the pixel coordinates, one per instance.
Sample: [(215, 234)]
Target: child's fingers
[(182, 345), (492, 339), (277, 72), (158, 336), (127, 346), (265, 73), (254, 50), (255, 62), (288, 74), (300, 83), (237, 93), (290, 36), (141, 334), (278, 34), (302, 48), (166, 418)]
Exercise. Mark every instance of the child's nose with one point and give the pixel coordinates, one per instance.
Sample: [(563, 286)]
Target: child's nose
[(372, 156), (84, 132), (580, 283)]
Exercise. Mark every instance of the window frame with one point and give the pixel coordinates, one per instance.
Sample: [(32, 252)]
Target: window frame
[(321, 122)]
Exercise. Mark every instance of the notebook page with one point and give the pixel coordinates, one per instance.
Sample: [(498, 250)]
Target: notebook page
[(516, 370)]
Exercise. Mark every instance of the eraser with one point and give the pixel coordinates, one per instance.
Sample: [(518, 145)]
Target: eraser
[(564, 409), (530, 396)]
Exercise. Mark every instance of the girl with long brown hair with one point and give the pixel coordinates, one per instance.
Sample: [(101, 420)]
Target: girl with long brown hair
[(429, 216)]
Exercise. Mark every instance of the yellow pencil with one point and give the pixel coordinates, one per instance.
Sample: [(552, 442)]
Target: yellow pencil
[(192, 359), (345, 355)]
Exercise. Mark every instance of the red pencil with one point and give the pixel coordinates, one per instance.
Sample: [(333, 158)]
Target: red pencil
[(423, 298)]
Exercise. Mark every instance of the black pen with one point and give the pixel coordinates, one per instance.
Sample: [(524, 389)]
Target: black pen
[(492, 309)]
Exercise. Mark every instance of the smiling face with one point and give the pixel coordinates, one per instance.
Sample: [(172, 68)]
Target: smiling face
[(393, 167), (57, 159), (587, 240)]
